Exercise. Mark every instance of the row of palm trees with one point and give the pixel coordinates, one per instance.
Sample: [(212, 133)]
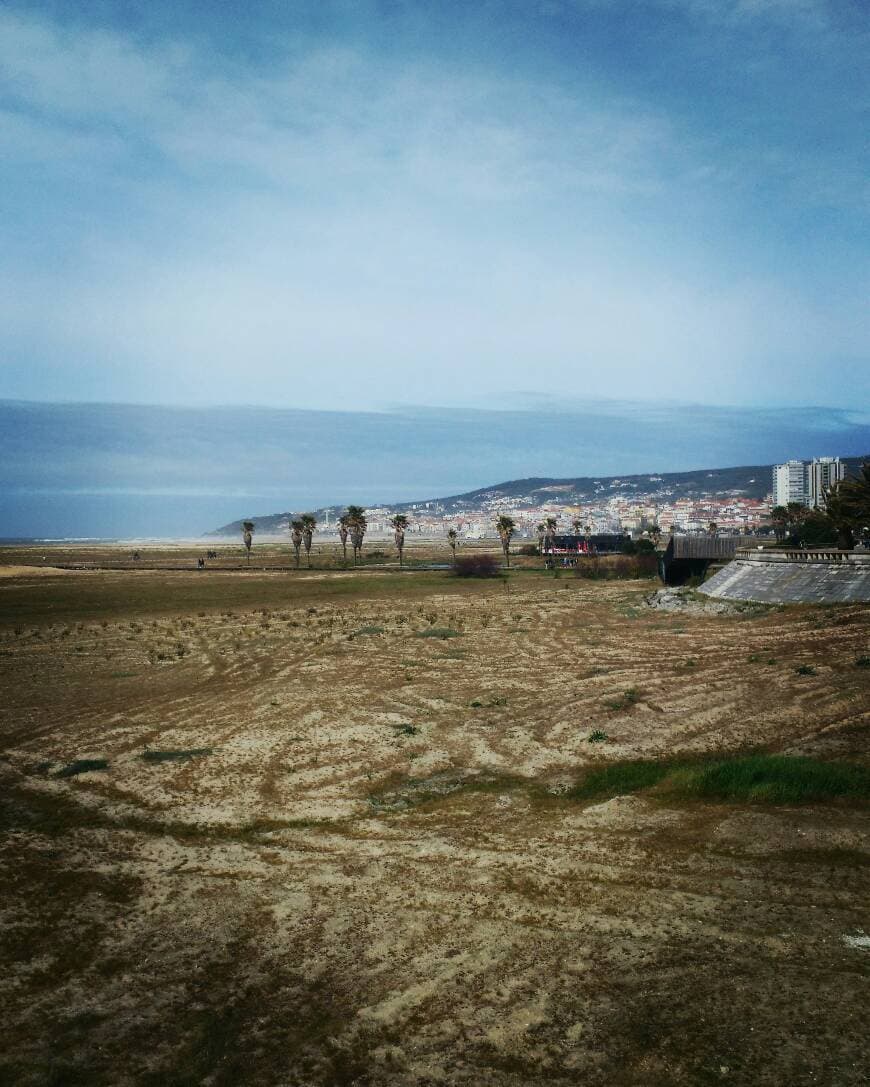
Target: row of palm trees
[(352, 526)]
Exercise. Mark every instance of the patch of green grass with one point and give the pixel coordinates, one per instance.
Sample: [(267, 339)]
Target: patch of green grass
[(597, 736), (176, 756), (767, 779), (439, 632), (368, 630), (805, 670), (619, 778), (82, 766), (775, 779)]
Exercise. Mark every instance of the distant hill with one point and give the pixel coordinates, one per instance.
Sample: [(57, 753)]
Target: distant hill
[(748, 481)]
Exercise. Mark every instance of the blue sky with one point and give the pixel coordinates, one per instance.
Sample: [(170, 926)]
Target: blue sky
[(358, 205)]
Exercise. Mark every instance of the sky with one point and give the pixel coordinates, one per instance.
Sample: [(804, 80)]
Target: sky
[(364, 205)]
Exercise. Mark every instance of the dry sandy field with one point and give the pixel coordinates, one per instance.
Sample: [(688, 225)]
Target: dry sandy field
[(330, 828)]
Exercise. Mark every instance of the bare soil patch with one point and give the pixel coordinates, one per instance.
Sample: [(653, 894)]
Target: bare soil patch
[(309, 841)]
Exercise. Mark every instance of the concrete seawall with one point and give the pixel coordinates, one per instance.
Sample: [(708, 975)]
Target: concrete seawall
[(794, 577)]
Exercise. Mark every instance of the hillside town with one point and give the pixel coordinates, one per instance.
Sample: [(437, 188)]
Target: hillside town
[(614, 511)]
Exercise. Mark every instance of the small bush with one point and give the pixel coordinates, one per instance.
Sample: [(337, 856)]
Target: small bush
[(862, 662), (476, 566), (617, 568), (597, 736), (805, 670), (406, 730), (529, 550), (438, 632), (628, 698)]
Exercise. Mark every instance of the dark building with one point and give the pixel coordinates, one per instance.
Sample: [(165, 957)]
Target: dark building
[(599, 544), (692, 556)]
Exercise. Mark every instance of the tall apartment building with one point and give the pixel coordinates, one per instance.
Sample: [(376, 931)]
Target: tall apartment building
[(790, 483), (806, 484), (823, 474)]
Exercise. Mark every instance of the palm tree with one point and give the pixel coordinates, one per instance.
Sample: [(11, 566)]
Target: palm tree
[(309, 523), (541, 531), (577, 525), (551, 533), (847, 504), (655, 534), (296, 538), (452, 537), (343, 528), (399, 523), (505, 526), (779, 519), (357, 524), (248, 537)]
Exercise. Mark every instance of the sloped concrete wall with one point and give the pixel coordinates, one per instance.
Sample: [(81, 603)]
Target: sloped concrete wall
[(794, 578)]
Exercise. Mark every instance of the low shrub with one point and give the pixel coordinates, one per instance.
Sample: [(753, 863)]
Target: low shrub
[(439, 632), (629, 698), (617, 567), (476, 566), (529, 550)]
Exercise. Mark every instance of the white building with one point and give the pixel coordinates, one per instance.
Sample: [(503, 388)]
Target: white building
[(806, 484), (790, 483), (822, 474)]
